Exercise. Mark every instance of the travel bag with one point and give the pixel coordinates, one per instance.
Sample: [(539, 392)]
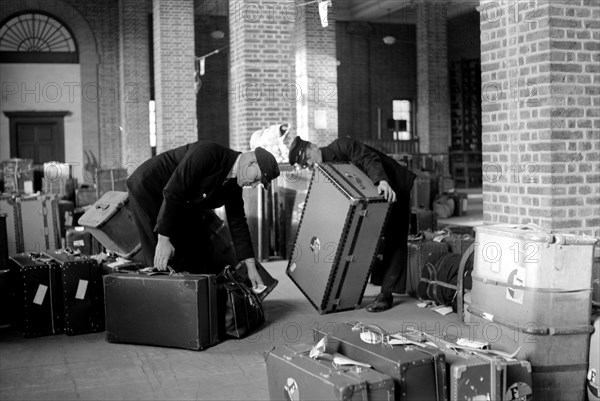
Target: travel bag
[(294, 375)]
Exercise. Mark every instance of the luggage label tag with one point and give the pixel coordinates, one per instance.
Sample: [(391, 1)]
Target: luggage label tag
[(81, 289), (40, 294)]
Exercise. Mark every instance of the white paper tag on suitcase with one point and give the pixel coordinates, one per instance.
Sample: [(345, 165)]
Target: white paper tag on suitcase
[(81, 289), (79, 242), (40, 294), (28, 187)]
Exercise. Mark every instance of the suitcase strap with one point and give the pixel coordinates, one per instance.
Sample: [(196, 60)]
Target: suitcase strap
[(528, 289), (540, 330)]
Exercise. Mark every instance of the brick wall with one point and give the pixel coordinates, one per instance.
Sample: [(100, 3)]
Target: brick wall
[(260, 81), (174, 72), (433, 112), (371, 74), (135, 80), (316, 76), (541, 119)]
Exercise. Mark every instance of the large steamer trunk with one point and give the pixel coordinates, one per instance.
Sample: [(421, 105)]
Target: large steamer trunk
[(338, 236), (534, 287)]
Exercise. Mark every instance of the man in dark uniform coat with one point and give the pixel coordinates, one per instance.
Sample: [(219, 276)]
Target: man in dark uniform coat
[(170, 192), (393, 181)]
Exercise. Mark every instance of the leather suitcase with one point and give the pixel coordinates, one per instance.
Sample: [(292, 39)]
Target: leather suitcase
[(593, 375), (479, 374), (338, 237), (293, 375), (83, 293), (40, 222), (39, 295), (419, 251), (419, 373), (111, 222), (163, 310), (14, 228), (80, 239)]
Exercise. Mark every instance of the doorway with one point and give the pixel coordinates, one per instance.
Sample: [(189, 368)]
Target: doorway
[(39, 136)]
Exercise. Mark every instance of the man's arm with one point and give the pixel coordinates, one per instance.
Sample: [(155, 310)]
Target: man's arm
[(240, 234), (369, 162)]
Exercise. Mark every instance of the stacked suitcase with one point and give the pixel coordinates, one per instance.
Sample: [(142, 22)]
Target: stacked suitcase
[(339, 232), (543, 279), (57, 292)]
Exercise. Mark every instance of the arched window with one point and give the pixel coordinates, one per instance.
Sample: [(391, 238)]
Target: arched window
[(34, 37)]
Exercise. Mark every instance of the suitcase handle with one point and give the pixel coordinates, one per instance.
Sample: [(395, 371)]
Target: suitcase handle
[(102, 206)]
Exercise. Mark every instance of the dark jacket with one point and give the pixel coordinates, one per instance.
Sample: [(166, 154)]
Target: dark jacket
[(377, 165), (193, 176)]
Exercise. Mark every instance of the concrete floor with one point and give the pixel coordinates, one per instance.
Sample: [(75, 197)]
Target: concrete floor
[(87, 367)]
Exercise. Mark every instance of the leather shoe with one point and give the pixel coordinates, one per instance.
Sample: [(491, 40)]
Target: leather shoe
[(381, 303)]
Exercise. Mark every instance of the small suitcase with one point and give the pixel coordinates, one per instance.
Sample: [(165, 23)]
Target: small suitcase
[(593, 375), (111, 222), (479, 374), (39, 294), (293, 375), (83, 293), (337, 240), (419, 373), (419, 251), (80, 239), (163, 310)]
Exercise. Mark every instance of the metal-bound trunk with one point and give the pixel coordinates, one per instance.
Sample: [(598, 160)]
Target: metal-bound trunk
[(293, 375), (83, 293), (419, 373), (171, 311), (39, 295), (338, 236), (39, 219), (535, 286), (111, 222)]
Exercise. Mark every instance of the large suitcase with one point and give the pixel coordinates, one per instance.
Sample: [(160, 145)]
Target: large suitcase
[(164, 310), (337, 240), (40, 223), (39, 295), (593, 375), (543, 279), (419, 251), (111, 222), (419, 373), (83, 293), (14, 228), (293, 375)]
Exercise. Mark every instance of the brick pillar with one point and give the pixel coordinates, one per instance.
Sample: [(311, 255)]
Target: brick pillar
[(316, 76), (433, 99), (261, 88), (135, 81), (540, 114), (174, 71)]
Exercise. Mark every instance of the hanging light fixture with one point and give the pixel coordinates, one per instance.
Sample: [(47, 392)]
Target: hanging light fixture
[(217, 34), (389, 39)]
